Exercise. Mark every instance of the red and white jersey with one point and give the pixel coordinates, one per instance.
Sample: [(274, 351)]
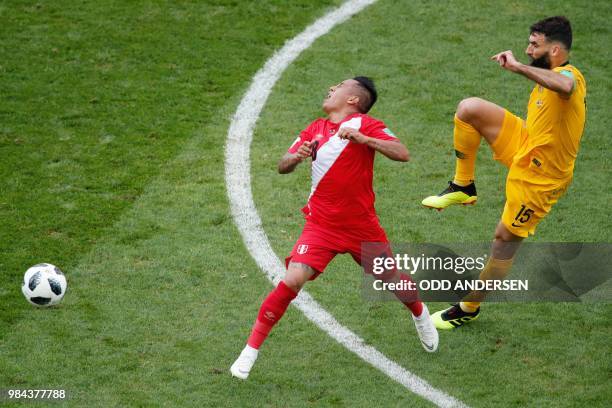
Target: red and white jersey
[(341, 193)]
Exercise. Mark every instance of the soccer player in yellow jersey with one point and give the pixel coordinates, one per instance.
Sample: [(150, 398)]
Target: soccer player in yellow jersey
[(540, 152)]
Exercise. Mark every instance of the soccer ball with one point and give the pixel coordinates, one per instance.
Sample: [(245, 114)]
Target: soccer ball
[(44, 285)]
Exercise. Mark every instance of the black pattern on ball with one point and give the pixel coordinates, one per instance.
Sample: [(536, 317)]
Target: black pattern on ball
[(58, 271), (34, 281), (55, 286), (40, 300)]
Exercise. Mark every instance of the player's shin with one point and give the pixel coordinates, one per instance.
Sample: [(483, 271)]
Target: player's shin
[(271, 311), (408, 294), (495, 269), (466, 141)]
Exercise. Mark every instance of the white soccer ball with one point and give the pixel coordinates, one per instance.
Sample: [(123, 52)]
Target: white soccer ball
[(44, 285)]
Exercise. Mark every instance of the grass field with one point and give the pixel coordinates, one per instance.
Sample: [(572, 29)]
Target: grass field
[(113, 118)]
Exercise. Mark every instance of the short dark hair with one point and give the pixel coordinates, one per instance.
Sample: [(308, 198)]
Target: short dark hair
[(365, 104), (556, 28)]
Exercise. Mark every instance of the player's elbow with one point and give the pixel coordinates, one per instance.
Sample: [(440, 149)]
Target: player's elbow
[(284, 167), (403, 155), (567, 86), (287, 163)]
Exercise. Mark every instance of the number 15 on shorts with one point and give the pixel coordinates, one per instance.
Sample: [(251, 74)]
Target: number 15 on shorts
[(523, 216)]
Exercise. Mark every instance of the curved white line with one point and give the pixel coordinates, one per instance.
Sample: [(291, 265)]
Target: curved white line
[(238, 180)]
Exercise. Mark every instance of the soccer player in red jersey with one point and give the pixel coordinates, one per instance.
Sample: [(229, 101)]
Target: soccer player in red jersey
[(340, 212)]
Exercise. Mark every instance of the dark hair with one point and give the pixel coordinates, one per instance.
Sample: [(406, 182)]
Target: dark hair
[(365, 104), (556, 28)]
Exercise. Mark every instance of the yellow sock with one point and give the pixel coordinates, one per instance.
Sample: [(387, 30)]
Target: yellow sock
[(469, 307), (496, 269), (466, 140)]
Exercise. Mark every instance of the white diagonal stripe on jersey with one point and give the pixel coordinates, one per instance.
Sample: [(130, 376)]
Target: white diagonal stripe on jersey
[(329, 153), (326, 157), (353, 123)]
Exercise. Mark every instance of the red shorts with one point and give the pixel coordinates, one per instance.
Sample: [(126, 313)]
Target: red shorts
[(318, 245)]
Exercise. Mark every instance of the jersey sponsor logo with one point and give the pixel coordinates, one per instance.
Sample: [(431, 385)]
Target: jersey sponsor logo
[(302, 249)]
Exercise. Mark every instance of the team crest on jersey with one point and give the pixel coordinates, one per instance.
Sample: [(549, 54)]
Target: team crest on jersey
[(301, 249), (539, 103)]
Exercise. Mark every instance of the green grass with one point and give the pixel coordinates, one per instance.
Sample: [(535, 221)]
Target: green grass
[(113, 118), (549, 354)]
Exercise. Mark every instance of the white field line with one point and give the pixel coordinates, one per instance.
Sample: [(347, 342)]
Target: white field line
[(238, 181)]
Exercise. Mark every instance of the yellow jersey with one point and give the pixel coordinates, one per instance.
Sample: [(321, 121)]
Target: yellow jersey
[(555, 126)]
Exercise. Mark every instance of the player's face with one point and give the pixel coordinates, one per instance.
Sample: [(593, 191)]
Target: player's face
[(338, 95), (538, 51)]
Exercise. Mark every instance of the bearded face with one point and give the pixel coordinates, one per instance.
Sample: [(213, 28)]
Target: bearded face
[(538, 51), (542, 61)]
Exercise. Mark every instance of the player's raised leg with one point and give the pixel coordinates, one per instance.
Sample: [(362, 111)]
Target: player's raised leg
[(270, 312), (475, 118), (503, 249)]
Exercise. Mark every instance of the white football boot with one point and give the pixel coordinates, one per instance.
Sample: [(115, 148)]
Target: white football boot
[(243, 364), (426, 330)]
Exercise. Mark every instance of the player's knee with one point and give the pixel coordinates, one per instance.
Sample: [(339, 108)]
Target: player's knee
[(297, 275), (295, 283), (468, 109), (505, 243), (503, 234)]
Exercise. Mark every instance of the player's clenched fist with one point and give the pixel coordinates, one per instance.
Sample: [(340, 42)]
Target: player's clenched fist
[(353, 135), (506, 60), (304, 151)]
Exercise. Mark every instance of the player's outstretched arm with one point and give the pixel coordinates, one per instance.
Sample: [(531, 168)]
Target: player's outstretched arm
[(552, 80), (393, 149), (289, 161)]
